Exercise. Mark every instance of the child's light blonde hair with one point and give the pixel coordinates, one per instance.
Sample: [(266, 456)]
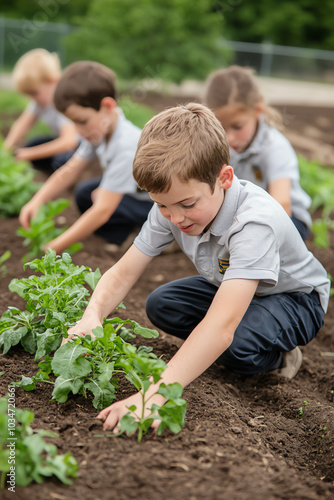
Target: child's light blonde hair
[(35, 67), (184, 142), (237, 85)]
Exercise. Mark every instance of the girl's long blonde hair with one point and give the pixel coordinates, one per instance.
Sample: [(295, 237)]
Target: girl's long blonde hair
[(238, 85)]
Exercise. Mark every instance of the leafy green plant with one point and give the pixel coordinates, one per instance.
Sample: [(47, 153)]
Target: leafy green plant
[(43, 229), (142, 372), (24, 454), (3, 268), (90, 363), (16, 183), (318, 182), (54, 302)]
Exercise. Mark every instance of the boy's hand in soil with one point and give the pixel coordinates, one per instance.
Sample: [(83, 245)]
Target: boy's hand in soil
[(112, 415)]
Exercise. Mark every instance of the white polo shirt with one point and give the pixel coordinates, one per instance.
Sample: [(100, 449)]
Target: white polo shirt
[(116, 158), (271, 157), (49, 115), (251, 237)]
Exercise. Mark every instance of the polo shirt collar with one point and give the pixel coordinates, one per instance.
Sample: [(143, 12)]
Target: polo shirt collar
[(226, 213)]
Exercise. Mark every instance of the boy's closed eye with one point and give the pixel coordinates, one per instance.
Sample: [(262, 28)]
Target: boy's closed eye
[(181, 204)]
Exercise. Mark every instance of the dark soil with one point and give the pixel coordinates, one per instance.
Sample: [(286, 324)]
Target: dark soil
[(244, 437)]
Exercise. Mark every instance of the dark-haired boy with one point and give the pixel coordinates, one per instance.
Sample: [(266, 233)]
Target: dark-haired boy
[(260, 293), (112, 206)]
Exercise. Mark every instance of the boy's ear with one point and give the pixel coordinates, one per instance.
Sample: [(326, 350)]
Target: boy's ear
[(108, 103), (226, 177)]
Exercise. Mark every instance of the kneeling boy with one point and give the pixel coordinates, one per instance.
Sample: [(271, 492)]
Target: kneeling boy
[(259, 294)]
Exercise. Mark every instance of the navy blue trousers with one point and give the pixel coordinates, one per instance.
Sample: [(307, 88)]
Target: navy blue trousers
[(129, 216), (302, 228), (51, 163), (271, 324)]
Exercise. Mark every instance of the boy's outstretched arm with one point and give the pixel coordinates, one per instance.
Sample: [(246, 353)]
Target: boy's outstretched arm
[(211, 337), (66, 141), (60, 180), (112, 289), (104, 205), (19, 129)]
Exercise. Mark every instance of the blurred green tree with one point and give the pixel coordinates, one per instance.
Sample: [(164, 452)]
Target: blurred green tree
[(301, 23), (170, 39), (63, 11)]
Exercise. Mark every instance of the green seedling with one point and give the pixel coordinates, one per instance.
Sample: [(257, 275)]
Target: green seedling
[(25, 456), (324, 429), (142, 371), (42, 229), (54, 301)]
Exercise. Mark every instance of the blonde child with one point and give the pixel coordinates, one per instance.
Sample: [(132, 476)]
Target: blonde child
[(36, 75), (259, 292), (259, 152)]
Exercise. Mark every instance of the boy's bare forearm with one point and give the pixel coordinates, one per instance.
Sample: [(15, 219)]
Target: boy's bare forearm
[(51, 148), (97, 215), (61, 180), (19, 129)]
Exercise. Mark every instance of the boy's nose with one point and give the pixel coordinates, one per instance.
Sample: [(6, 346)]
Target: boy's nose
[(176, 217)]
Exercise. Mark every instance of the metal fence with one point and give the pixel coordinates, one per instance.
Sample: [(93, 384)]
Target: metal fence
[(284, 61), (19, 36)]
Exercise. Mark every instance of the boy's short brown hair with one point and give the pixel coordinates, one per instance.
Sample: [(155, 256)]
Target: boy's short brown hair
[(187, 142), (84, 83), (34, 68)]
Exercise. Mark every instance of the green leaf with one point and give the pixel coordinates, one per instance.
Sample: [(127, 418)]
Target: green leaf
[(12, 337), (68, 361), (27, 383), (171, 391), (104, 396), (92, 278), (128, 424), (63, 386), (147, 333)]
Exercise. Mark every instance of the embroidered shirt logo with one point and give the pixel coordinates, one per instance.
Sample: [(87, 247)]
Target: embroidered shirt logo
[(223, 265), (257, 173)]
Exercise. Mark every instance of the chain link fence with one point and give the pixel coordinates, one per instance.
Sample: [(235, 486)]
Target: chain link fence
[(19, 36)]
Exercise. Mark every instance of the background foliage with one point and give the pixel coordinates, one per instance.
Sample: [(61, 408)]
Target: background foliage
[(171, 40)]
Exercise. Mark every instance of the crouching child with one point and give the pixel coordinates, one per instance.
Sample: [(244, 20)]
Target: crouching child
[(259, 292)]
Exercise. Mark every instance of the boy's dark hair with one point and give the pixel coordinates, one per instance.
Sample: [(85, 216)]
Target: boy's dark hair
[(84, 83), (187, 142)]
